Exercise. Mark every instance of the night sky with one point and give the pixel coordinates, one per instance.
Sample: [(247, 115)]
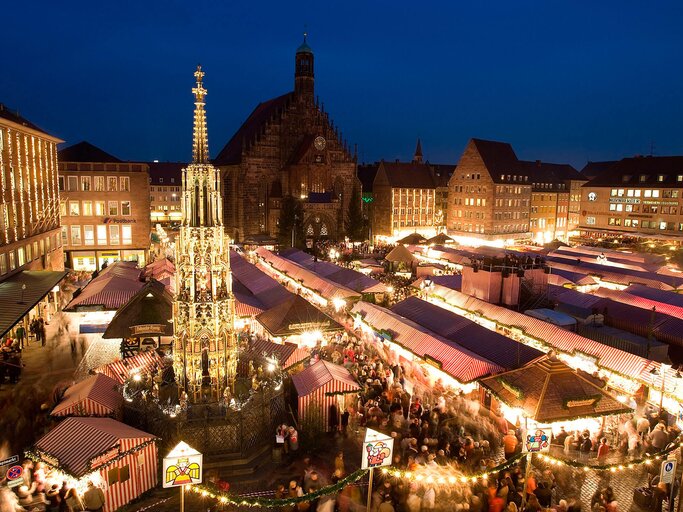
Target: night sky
[(561, 81)]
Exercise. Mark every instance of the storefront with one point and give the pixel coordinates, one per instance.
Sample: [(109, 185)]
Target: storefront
[(89, 261)]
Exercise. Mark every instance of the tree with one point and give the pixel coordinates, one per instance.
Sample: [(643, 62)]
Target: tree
[(291, 222), (355, 223)]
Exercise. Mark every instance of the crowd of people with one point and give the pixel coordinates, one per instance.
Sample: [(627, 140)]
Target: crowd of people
[(36, 494)]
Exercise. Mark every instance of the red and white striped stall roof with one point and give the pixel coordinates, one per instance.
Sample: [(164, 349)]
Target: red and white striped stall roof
[(245, 310), (321, 374), (456, 361), (554, 337), (111, 289), (121, 369), (95, 396), (76, 441)]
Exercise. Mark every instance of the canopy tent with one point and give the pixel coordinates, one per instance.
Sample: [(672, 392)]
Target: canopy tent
[(117, 457), (412, 239), (440, 239), (548, 391), (20, 293), (95, 396), (159, 269), (112, 288), (320, 388), (147, 313), (122, 369), (296, 316), (287, 354), (400, 254)]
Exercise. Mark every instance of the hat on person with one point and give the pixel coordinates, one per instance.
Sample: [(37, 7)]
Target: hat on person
[(424, 448)]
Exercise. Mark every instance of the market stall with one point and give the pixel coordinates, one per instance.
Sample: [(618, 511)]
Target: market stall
[(549, 393), (322, 389), (123, 369), (119, 459), (95, 396)]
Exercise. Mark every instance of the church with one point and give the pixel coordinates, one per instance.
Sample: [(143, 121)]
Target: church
[(288, 146)]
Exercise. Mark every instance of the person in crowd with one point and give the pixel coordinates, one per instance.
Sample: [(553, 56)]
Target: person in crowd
[(93, 498)]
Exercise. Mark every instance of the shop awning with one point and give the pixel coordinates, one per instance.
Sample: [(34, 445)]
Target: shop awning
[(17, 301)]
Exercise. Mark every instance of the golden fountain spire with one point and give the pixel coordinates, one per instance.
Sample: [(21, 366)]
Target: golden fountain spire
[(200, 143)]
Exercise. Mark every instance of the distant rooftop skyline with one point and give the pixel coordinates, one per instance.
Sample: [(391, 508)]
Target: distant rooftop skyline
[(562, 84)]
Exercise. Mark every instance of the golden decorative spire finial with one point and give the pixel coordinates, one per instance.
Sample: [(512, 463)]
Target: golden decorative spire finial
[(200, 145)]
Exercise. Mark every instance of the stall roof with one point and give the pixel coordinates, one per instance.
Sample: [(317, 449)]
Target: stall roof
[(16, 303), (455, 360), (121, 369), (664, 296), (552, 316), (256, 282), (288, 354), (112, 288), (400, 254), (152, 305), (321, 373), (344, 276), (440, 239), (412, 239), (76, 441), (495, 347), (321, 285), (295, 316), (99, 389), (549, 391)]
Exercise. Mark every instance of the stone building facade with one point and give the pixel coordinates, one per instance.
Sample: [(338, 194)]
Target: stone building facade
[(288, 146), (165, 180), (105, 208), (29, 202)]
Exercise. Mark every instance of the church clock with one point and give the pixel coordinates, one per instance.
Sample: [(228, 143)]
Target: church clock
[(319, 143)]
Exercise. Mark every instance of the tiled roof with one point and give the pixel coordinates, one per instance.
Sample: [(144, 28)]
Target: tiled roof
[(248, 280), (171, 172), (295, 316), (366, 175), (593, 169), (75, 441), (85, 152), (408, 174), (499, 157), (321, 373), (15, 117), (232, 151), (642, 172), (151, 305)]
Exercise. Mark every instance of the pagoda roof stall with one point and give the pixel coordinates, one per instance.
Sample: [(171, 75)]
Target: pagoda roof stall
[(548, 392), (296, 316)]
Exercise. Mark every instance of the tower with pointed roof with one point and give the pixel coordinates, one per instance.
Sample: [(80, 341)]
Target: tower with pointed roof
[(205, 346), (288, 146), (417, 157)]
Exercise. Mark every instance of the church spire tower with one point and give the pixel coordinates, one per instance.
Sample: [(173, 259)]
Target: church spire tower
[(205, 349), (303, 71)]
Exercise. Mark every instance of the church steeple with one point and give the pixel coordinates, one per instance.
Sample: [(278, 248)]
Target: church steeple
[(417, 157), (200, 143), (303, 71)]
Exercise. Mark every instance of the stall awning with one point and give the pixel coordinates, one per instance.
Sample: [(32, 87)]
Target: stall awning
[(17, 302)]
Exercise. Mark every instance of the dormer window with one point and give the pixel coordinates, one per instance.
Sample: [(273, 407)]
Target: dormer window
[(660, 177), (643, 177), (502, 177), (626, 177)]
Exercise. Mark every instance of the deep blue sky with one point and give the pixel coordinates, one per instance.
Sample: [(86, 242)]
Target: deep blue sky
[(562, 81)]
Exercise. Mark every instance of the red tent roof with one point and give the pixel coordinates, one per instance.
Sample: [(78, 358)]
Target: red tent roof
[(98, 389), (321, 373)]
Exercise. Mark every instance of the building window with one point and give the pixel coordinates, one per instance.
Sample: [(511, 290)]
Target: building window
[(22, 254), (87, 208), (124, 182), (125, 208), (113, 208), (12, 260), (61, 183), (74, 208), (75, 235), (101, 234), (99, 208), (3, 262), (660, 177), (85, 183), (62, 208), (114, 235), (161, 180), (643, 177), (112, 183), (65, 235), (88, 235), (72, 181), (99, 183), (127, 235)]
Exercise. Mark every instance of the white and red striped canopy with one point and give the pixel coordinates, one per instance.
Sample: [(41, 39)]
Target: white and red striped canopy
[(321, 374), (95, 396), (122, 369), (76, 441)]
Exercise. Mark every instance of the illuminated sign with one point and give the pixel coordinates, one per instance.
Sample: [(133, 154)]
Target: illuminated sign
[(581, 403), (147, 329), (111, 220), (308, 325), (627, 200), (101, 460)]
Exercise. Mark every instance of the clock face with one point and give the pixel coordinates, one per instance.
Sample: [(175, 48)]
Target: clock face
[(319, 143)]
